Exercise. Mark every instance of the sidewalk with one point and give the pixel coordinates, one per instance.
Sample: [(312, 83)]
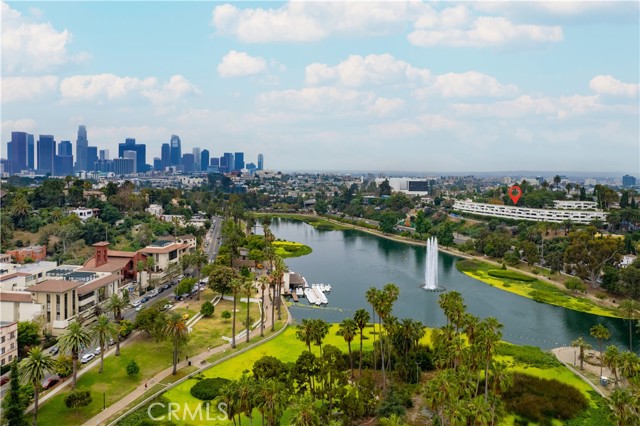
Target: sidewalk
[(196, 361), (569, 356)]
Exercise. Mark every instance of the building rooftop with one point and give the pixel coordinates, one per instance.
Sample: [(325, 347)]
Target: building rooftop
[(54, 286), (11, 296)]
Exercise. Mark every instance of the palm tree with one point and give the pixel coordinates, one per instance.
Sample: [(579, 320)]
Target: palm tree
[(348, 329), (32, 370), (264, 282), (247, 287), (246, 399), (489, 336), (306, 412), (582, 345), (371, 295), (361, 318), (236, 286), (197, 260), (176, 330), (141, 265), (629, 308), (103, 330), (304, 332), (272, 284), (319, 330), (274, 400), (279, 268), (116, 305), (74, 339), (557, 179), (612, 359), (600, 332)]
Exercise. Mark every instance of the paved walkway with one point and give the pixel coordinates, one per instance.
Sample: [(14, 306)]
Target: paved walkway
[(198, 361), (569, 356)]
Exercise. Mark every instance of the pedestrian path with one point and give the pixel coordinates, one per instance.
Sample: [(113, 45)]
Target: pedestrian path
[(569, 357)]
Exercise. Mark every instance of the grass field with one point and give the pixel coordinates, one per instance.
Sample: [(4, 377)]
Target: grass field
[(286, 249), (526, 286)]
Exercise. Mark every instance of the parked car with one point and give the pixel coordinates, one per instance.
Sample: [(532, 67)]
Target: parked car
[(139, 308), (54, 350), (167, 286), (50, 382), (136, 303), (87, 357), (168, 306), (5, 379), (112, 342), (145, 299)]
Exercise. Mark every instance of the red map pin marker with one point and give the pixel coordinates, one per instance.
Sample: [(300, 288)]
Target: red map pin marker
[(515, 192)]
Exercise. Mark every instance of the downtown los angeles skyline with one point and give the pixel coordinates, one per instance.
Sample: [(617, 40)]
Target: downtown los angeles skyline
[(335, 86)]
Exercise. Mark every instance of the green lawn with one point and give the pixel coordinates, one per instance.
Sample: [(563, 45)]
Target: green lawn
[(535, 289), (286, 249), (151, 356)]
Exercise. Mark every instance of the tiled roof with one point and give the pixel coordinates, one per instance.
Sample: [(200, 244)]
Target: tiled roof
[(112, 265), (54, 286), (166, 249), (13, 275), (15, 297), (119, 253), (98, 283)]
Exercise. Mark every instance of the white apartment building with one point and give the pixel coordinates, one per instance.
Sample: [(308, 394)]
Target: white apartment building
[(8, 341), (17, 277), (526, 213), (575, 205)]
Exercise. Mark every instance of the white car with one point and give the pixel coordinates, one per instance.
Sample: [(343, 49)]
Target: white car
[(136, 303), (97, 350), (87, 357), (139, 308)]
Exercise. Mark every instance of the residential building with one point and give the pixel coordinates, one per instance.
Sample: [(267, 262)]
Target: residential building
[(8, 342), (46, 154), (122, 263), (165, 252), (85, 214), (18, 306), (628, 181), (18, 277), (575, 205), (35, 253), (524, 213), (82, 143)]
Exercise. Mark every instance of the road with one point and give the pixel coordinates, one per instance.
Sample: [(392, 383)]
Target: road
[(213, 238)]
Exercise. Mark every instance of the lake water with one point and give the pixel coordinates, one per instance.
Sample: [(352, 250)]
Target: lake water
[(352, 261)]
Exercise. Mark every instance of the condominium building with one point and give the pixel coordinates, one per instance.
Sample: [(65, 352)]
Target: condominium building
[(525, 213), (8, 341)]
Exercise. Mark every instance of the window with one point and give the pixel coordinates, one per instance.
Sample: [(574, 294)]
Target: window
[(13, 346), (12, 335), (2, 351), (2, 339), (73, 302), (66, 305), (57, 307)]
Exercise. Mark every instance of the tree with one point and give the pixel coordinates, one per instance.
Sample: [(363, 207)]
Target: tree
[(28, 335), (279, 269), (600, 333), (151, 320), (221, 277), (33, 370), (384, 188), (74, 340), (319, 330), (102, 331), (388, 222), (582, 345), (176, 331), (612, 360), (348, 329), (132, 368), (629, 310), (304, 332), (247, 288), (264, 283), (64, 366), (13, 405), (361, 318), (116, 305), (305, 412), (196, 260), (588, 254), (207, 309), (185, 286), (236, 286), (575, 284), (77, 398), (225, 315), (556, 180)]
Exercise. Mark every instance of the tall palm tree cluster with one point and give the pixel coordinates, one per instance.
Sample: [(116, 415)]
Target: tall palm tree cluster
[(455, 392)]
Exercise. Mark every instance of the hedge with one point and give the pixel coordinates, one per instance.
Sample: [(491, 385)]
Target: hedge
[(208, 389), (510, 275)]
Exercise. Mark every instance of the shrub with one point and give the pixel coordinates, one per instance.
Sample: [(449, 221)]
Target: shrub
[(64, 367), (467, 266), (77, 398), (226, 315), (529, 355), (207, 309), (575, 284), (540, 400), (510, 275), (208, 389), (132, 368), (601, 295)]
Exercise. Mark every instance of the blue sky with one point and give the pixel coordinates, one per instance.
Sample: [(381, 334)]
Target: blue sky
[(427, 87)]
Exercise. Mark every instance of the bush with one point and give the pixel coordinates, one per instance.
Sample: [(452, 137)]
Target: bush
[(510, 275), (226, 315), (467, 266), (601, 295), (575, 284), (208, 389), (132, 368), (77, 398), (207, 309), (540, 400), (64, 367), (530, 355)]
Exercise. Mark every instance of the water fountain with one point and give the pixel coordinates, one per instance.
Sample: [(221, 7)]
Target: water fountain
[(431, 268)]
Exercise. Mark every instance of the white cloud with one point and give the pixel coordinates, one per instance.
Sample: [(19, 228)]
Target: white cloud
[(235, 64), (28, 88), (98, 86), (28, 125), (455, 27), (385, 106), (175, 89), (608, 85), (318, 99), (310, 21), (356, 71), (467, 84), (29, 46)]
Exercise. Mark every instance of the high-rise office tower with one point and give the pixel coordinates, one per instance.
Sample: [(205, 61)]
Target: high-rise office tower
[(187, 163), (226, 162), (204, 160), (82, 143), (123, 166), (17, 151), (166, 155), (238, 161), (46, 154), (63, 165), (31, 152), (65, 148), (103, 154), (214, 164), (157, 164), (141, 150), (196, 159), (92, 157), (133, 155), (260, 162), (176, 150), (628, 181)]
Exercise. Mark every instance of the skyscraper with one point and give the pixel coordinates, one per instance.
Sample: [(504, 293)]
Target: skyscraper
[(65, 148), (31, 152), (628, 181), (260, 162), (166, 155), (17, 151), (133, 155), (82, 143), (46, 153), (103, 154), (92, 157), (123, 166), (141, 156), (157, 164), (63, 165), (239, 161), (196, 159), (187, 163), (176, 150), (226, 162), (204, 160)]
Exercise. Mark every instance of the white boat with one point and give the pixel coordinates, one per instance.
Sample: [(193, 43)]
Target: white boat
[(311, 296)]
